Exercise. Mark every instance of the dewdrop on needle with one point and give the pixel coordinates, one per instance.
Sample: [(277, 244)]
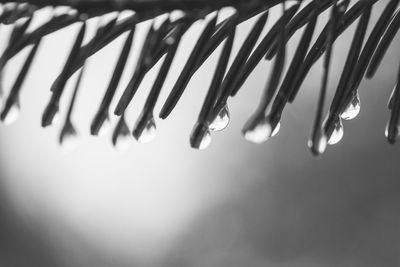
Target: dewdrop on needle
[(320, 146), (337, 134), (12, 115), (122, 138), (70, 143), (200, 137), (396, 133), (123, 142), (261, 132), (105, 128), (352, 110), (205, 142), (68, 138), (148, 133), (221, 121)]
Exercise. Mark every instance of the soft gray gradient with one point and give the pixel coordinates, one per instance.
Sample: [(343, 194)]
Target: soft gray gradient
[(163, 204)]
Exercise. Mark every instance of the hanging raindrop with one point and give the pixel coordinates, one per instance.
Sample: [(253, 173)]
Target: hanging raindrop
[(260, 130), (56, 118), (337, 134), (320, 146), (145, 130), (387, 130), (352, 109), (276, 129), (200, 137), (11, 115), (121, 137), (68, 138), (105, 128), (392, 136), (123, 142), (221, 121), (205, 142)]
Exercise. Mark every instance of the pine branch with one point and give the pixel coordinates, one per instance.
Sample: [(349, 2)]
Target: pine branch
[(162, 43)]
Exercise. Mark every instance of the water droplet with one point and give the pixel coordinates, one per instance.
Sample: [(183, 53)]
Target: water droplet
[(387, 130), (337, 134), (105, 128), (68, 138), (56, 118), (221, 121), (276, 130), (200, 137), (123, 142), (260, 131), (320, 147), (352, 109), (122, 139), (148, 133), (12, 115), (392, 139), (205, 142)]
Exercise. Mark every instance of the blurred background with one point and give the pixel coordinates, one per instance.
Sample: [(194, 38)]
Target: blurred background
[(164, 204)]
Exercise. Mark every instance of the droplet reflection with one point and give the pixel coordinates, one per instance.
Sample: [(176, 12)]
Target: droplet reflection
[(261, 131), (337, 134), (222, 120), (122, 139), (392, 135), (123, 142), (205, 142), (105, 128), (200, 137), (149, 132), (12, 115), (352, 110), (320, 146), (68, 138)]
